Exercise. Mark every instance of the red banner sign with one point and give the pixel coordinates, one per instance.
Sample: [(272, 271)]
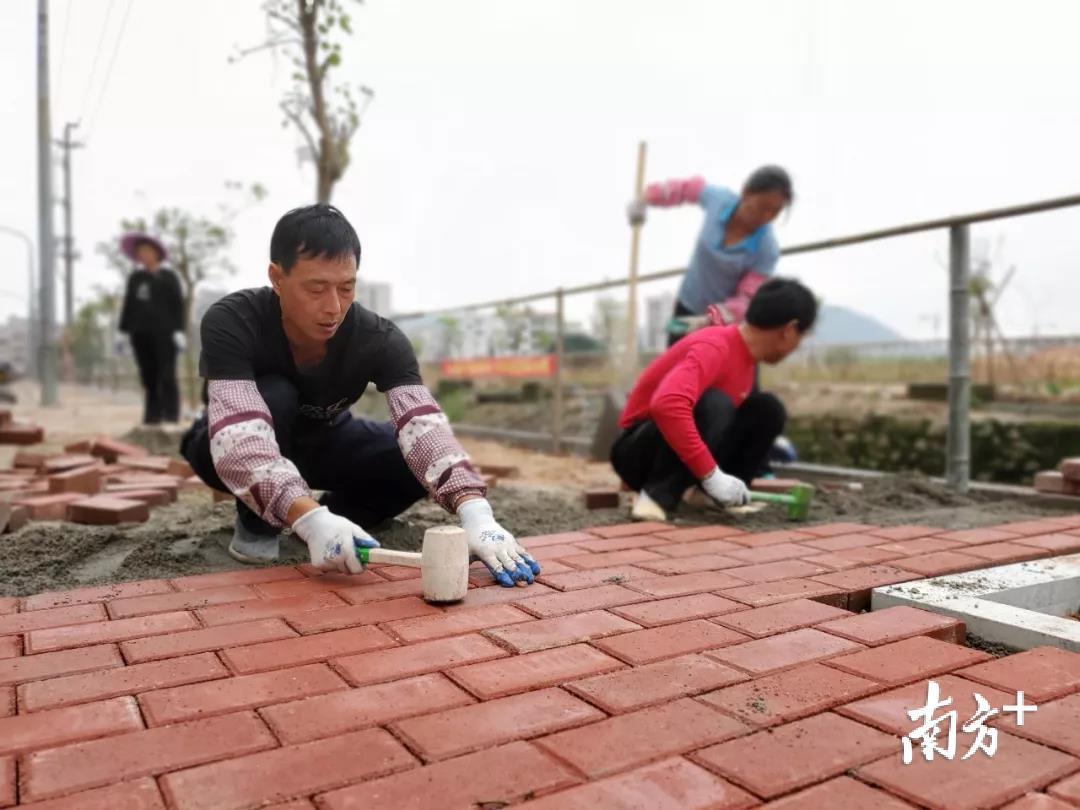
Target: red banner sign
[(515, 367)]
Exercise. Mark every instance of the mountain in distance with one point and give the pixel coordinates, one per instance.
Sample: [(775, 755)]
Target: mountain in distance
[(842, 325)]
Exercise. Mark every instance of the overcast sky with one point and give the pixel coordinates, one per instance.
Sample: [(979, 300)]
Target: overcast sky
[(499, 152)]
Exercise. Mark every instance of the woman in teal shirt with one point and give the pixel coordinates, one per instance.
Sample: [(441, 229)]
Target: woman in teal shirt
[(736, 250)]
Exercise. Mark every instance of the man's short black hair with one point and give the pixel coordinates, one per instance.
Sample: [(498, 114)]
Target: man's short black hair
[(312, 232), (780, 301)]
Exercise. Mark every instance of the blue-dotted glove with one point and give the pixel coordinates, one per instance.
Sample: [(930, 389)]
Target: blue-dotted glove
[(332, 540), (495, 547)]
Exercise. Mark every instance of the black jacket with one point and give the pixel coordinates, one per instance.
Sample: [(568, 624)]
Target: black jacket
[(153, 303)]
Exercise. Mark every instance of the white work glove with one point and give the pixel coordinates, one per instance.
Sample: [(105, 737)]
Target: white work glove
[(495, 547), (635, 212), (179, 340), (332, 540), (726, 490)]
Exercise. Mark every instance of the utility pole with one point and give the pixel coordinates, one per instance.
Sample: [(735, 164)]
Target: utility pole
[(47, 335), (69, 240)]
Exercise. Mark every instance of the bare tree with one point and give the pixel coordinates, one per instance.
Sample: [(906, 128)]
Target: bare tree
[(327, 115)]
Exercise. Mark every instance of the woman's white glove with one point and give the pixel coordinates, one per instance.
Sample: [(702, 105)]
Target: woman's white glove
[(332, 540), (179, 340), (726, 490)]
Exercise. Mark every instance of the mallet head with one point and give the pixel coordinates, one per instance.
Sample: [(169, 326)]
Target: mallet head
[(444, 564), (799, 508)]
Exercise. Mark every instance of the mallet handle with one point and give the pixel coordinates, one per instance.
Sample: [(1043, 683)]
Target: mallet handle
[(387, 556), (771, 497)]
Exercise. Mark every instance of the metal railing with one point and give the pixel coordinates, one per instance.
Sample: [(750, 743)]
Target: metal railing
[(958, 450)]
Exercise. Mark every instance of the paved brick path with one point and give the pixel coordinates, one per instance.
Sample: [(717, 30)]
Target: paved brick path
[(652, 668)]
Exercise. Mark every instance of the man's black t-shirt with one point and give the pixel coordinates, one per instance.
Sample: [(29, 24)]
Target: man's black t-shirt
[(243, 339)]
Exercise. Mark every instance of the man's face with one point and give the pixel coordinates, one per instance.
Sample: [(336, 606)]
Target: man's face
[(761, 207), (783, 341), (315, 295)]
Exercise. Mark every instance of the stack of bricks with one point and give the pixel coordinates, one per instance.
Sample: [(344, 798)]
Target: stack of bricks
[(97, 482), (1065, 480), (650, 666), (12, 432)]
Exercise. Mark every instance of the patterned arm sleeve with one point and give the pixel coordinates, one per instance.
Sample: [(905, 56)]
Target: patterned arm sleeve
[(246, 453), (435, 457)]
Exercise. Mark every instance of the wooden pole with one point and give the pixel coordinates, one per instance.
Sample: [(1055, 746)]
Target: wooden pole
[(631, 360)]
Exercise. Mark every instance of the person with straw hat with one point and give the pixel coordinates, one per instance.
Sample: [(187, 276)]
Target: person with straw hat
[(152, 316)]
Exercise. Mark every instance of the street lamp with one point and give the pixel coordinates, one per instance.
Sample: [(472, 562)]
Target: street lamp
[(31, 319)]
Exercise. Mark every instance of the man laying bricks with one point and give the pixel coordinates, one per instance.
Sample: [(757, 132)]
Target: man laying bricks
[(694, 414), (283, 364)]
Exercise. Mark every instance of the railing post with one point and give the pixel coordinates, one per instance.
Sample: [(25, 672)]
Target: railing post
[(557, 409), (958, 458)]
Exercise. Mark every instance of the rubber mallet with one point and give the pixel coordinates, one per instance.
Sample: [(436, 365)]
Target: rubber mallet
[(443, 562), (797, 501)]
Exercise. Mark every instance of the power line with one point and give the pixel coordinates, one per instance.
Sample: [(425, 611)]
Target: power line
[(109, 69), (97, 57)]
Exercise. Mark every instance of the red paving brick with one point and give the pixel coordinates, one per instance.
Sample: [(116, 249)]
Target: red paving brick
[(425, 628), (905, 532), (843, 791), (896, 623), (784, 569), (772, 538), (853, 557), (836, 529), (888, 710), (171, 601), (7, 701), (305, 650), (909, 660), (7, 781), (941, 562), (211, 638), (771, 553), (658, 643), (858, 582), (627, 740), (10, 646), (50, 665), (770, 593), (541, 634), (314, 581), (319, 621), (974, 537), (1042, 674), (680, 608), (684, 584), (85, 635), (1056, 724), (688, 565), (495, 777), (8, 604), (417, 659), (601, 545), (776, 761), (101, 593), (1056, 543), (630, 689), (30, 732), (789, 695), (536, 670), (54, 617), (843, 542), (630, 529), (131, 680), (562, 604), (1017, 767), (1038, 801), (248, 577), (673, 784), (340, 712), (922, 545), (1006, 552), (296, 770), (699, 533), (484, 725), (784, 651), (181, 703), (141, 753), (780, 618), (576, 580), (140, 794), (677, 550), (267, 608), (562, 538), (1068, 789)]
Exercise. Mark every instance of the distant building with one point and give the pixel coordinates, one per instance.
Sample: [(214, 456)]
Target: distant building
[(480, 334), (374, 295), (658, 309)]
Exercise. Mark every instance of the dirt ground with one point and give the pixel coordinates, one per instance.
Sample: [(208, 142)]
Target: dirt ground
[(191, 536)]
